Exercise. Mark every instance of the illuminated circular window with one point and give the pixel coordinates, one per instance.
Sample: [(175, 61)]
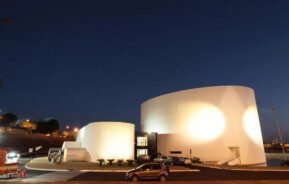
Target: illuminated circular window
[(205, 123), (251, 124)]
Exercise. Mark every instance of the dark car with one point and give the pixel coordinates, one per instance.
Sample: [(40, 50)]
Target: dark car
[(176, 161), (285, 163), (148, 171), (142, 159)]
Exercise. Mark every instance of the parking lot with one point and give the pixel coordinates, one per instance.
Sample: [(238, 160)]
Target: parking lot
[(203, 175)]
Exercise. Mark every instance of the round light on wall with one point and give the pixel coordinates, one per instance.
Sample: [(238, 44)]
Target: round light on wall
[(205, 123), (251, 124)]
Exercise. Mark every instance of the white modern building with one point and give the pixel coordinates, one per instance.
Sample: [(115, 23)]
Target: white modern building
[(102, 140), (217, 124)]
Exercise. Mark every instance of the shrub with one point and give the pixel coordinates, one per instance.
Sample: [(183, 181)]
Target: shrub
[(130, 162), (120, 162), (100, 161), (110, 161)]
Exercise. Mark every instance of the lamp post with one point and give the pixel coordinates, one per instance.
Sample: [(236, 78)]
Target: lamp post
[(279, 131)]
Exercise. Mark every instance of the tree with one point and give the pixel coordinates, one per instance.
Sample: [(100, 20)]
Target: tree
[(7, 119), (48, 125), (28, 125)]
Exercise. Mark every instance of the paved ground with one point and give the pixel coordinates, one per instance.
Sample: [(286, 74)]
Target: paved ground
[(29, 174), (52, 177), (245, 168), (42, 163), (74, 169), (173, 182), (204, 174)]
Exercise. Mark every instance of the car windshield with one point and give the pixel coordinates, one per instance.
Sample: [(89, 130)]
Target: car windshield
[(143, 166), (156, 167)]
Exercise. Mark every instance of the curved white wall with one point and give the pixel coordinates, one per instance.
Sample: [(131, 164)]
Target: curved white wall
[(107, 140), (208, 121)]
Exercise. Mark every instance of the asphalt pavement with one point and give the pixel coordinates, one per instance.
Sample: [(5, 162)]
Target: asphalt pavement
[(29, 174), (203, 175)]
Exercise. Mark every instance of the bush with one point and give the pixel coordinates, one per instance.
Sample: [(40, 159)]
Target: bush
[(110, 161), (196, 160), (100, 161), (120, 162), (143, 159), (130, 162)]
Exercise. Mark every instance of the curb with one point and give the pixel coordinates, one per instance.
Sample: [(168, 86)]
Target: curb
[(40, 169), (243, 169), (120, 171), (117, 171), (107, 170), (191, 170)]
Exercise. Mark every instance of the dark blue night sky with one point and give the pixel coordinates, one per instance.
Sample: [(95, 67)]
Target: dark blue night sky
[(83, 61)]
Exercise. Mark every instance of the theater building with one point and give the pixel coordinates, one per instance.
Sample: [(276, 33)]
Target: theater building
[(218, 124)]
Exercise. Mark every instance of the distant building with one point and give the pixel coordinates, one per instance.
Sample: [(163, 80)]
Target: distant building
[(102, 140)]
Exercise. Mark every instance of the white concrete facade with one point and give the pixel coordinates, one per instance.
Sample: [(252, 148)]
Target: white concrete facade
[(214, 123), (75, 155), (107, 140)]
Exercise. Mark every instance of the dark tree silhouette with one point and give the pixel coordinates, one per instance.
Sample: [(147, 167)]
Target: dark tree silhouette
[(7, 119), (47, 125), (6, 21)]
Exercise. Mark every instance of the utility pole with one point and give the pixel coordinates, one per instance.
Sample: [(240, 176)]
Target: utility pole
[(275, 115)]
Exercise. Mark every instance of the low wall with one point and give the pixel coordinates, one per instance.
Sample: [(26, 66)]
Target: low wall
[(277, 156)]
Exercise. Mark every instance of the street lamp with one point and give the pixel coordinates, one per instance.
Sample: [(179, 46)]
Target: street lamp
[(279, 131)]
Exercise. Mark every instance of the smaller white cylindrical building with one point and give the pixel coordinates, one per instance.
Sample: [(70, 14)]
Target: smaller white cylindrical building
[(107, 140)]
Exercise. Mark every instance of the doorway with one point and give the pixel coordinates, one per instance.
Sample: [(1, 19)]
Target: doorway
[(235, 152)]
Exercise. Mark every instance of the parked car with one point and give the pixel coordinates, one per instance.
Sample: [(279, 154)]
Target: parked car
[(185, 161), (176, 161), (160, 159), (141, 159), (168, 160), (148, 171), (196, 160), (8, 163), (285, 163), (55, 155)]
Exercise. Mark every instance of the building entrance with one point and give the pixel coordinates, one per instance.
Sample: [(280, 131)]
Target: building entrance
[(235, 152)]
